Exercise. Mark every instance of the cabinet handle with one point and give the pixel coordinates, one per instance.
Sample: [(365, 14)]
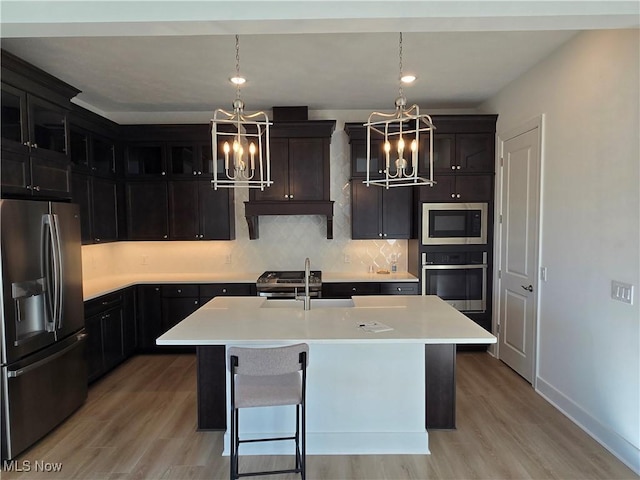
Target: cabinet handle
[(201, 235), (36, 188), (34, 145), (457, 195), (399, 289), (199, 173), (26, 144), (224, 290), (290, 196), (458, 167), (179, 290), (195, 173), (384, 234), (97, 239), (453, 167), (195, 302), (453, 195), (164, 173), (164, 236), (28, 187), (286, 196), (380, 235), (353, 289)]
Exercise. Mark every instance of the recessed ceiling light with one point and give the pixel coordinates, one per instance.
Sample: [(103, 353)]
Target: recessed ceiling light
[(408, 79), (238, 80)]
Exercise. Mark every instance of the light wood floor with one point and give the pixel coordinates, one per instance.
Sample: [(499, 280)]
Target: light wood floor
[(140, 423)]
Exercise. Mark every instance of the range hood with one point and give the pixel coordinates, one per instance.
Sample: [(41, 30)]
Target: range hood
[(299, 169)]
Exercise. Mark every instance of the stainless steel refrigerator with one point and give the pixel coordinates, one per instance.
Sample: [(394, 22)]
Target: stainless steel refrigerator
[(44, 372)]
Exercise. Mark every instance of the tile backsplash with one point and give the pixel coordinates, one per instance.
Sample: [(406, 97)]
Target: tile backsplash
[(284, 243)]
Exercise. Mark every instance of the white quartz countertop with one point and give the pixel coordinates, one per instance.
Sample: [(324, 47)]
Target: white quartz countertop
[(246, 320), (108, 284)]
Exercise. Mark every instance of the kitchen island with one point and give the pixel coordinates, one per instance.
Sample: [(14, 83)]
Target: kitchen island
[(368, 391)]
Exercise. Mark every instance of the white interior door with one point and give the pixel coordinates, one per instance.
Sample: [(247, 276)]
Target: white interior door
[(520, 200)]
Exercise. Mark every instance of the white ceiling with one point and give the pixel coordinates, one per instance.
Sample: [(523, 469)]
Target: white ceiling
[(137, 60)]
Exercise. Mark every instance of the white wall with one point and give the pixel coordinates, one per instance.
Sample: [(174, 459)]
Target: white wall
[(589, 344)]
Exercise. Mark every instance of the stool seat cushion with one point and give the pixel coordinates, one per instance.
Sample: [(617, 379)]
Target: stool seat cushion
[(268, 391)]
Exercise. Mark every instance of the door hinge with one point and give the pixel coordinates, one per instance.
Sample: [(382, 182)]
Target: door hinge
[(499, 273), (498, 328), (500, 218), (502, 161)]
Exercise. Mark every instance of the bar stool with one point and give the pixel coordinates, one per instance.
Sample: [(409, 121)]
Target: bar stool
[(266, 377)]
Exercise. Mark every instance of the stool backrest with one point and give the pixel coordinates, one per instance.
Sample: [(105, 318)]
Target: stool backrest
[(268, 361)]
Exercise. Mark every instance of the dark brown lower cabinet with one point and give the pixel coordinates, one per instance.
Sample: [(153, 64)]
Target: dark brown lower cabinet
[(347, 290), (105, 327), (148, 316)]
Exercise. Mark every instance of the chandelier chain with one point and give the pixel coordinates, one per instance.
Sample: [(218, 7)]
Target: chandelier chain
[(237, 65), (400, 66)]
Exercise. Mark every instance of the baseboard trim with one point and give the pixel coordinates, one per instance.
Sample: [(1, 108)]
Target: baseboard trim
[(605, 436)]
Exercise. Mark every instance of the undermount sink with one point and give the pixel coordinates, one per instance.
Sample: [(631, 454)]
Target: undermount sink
[(315, 303)]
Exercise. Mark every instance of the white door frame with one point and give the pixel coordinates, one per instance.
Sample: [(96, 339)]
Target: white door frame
[(501, 138)]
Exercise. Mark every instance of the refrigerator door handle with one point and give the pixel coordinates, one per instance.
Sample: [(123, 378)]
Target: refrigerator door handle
[(49, 270), (59, 272), (21, 371)]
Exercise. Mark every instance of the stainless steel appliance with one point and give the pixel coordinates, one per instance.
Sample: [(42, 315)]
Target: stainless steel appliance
[(44, 376), (454, 223), (288, 284), (459, 278)]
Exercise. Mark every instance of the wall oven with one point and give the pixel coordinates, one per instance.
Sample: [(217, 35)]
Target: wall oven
[(459, 278), (454, 223)]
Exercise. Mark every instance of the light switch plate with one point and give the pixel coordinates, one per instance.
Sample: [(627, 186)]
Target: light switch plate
[(623, 292)]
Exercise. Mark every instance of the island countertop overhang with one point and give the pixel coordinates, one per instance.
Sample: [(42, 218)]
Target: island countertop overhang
[(243, 320)]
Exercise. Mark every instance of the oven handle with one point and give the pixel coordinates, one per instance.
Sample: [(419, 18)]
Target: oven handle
[(483, 266), (452, 267)]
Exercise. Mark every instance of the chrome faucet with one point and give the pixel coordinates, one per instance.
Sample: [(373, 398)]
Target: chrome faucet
[(307, 295)]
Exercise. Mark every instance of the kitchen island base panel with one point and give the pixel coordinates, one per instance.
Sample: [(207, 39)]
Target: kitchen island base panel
[(361, 399)]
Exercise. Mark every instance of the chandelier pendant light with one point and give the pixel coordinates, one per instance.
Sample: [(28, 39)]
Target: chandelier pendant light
[(401, 134), (244, 140)]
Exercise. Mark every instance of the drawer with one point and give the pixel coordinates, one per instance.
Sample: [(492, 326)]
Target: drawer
[(345, 290), (207, 292), (399, 288), (100, 304), (180, 291)]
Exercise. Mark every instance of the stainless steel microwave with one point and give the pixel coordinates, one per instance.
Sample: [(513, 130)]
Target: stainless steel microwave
[(454, 223)]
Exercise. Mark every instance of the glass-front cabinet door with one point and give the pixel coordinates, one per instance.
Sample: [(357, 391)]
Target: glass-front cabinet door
[(182, 160), (47, 128), (443, 154), (14, 119)]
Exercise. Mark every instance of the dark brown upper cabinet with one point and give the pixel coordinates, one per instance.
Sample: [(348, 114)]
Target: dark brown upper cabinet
[(34, 146), (380, 213)]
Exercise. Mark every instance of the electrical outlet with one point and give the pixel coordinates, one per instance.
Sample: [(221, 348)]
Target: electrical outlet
[(227, 259), (623, 292), (347, 258)]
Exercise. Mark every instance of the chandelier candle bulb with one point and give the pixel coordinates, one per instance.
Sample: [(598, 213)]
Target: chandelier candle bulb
[(414, 154), (252, 152)]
